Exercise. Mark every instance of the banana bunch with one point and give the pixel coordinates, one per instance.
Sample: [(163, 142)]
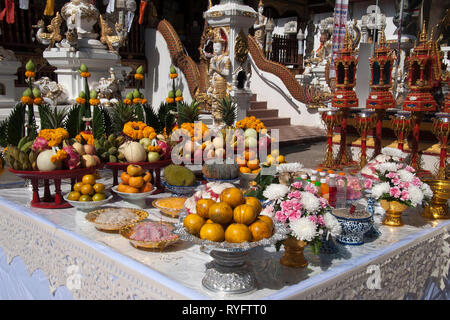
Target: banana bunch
[(21, 157), (108, 149)]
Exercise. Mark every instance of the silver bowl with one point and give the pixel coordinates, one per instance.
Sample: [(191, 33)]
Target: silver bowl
[(136, 198), (229, 272), (87, 205)]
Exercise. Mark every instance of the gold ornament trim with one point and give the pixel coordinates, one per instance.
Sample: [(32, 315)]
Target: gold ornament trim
[(241, 47)]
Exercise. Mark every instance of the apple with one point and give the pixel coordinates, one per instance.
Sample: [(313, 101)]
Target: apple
[(145, 142), (251, 142), (153, 156), (251, 133), (264, 143)]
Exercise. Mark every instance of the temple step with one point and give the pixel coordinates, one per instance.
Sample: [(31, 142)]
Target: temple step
[(300, 134), (258, 105), (275, 122), (263, 113)]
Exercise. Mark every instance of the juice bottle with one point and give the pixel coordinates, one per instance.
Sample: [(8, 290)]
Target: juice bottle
[(324, 189), (318, 185), (341, 195), (332, 189)]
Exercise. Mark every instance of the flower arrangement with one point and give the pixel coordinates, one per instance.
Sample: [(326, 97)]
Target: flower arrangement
[(391, 180), (138, 130), (54, 137), (250, 123), (87, 136), (192, 131), (175, 95), (303, 211)]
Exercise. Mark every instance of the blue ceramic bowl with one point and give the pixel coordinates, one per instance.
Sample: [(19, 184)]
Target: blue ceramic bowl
[(353, 229), (181, 190)]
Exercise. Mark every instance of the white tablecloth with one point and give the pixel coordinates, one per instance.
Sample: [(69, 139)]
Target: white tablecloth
[(57, 254)]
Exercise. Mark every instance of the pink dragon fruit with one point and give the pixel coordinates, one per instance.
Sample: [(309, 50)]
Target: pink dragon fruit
[(73, 161), (165, 149), (40, 144)]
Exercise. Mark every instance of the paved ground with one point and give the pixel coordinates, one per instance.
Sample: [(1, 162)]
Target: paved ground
[(309, 154)]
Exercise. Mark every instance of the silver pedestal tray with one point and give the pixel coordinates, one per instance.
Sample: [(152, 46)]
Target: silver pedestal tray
[(229, 272)]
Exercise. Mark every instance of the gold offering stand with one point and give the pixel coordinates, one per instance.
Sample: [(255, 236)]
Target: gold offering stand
[(438, 208), (402, 126), (364, 121), (331, 120)]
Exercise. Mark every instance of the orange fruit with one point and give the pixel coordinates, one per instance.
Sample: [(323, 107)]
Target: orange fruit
[(212, 232), (249, 155), (209, 221), (267, 220), (203, 206), (221, 213), (148, 177), (87, 189), (245, 170), (260, 230), (255, 203), (135, 170), (244, 214), (99, 187), (74, 196), (125, 177), (88, 179), (193, 223), (253, 164), (241, 162), (122, 187), (130, 189), (237, 233), (77, 186), (281, 159), (256, 171), (136, 182), (147, 187), (233, 196)]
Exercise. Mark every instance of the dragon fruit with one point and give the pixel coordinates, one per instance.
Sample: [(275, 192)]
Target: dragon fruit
[(165, 149), (40, 144), (73, 161)]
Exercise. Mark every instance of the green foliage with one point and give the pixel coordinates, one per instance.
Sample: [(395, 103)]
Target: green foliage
[(228, 110), (139, 112), (74, 121), (263, 182), (107, 121), (122, 114), (4, 133), (163, 119), (188, 113), (98, 126), (12, 128), (52, 119)]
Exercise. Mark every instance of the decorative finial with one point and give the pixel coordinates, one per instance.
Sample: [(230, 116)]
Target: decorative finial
[(423, 34), (348, 44), (261, 3), (210, 4), (382, 40)]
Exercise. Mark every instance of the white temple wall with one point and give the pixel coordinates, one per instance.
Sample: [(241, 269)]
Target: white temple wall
[(157, 82)]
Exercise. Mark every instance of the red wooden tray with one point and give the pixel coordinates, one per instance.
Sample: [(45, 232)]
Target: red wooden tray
[(49, 201), (154, 167)]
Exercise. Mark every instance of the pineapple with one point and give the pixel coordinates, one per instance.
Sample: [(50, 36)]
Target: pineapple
[(188, 113), (52, 119), (163, 120), (122, 114), (228, 112)]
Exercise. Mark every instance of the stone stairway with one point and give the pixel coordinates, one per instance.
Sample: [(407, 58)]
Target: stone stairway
[(288, 133)]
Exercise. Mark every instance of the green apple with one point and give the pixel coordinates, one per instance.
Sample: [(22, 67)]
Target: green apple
[(251, 133), (153, 156)]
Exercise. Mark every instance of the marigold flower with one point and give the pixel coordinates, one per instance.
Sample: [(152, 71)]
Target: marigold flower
[(54, 136), (137, 100), (144, 101), (178, 99), (30, 74), (87, 136), (27, 100), (139, 76), (85, 74), (173, 75), (38, 101), (170, 100), (138, 130), (127, 101), (80, 100), (94, 102), (59, 156)]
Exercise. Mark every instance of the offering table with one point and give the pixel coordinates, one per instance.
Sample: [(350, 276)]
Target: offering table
[(57, 254)]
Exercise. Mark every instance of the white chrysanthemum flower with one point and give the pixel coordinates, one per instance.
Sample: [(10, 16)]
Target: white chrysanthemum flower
[(303, 229), (387, 166), (309, 201), (379, 189), (381, 158), (427, 192), (406, 176), (217, 187), (290, 167), (415, 195), (332, 224), (393, 152), (275, 191)]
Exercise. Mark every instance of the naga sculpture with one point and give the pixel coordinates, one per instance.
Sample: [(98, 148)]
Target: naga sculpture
[(54, 35)]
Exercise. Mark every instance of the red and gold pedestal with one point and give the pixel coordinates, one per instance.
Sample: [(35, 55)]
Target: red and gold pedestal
[(423, 77), (380, 97), (402, 124), (441, 130), (345, 97), (364, 122), (331, 120)]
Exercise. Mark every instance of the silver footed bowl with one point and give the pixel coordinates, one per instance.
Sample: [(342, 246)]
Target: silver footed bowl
[(280, 233)]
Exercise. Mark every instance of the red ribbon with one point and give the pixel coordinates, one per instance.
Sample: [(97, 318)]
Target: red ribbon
[(8, 11), (142, 7)]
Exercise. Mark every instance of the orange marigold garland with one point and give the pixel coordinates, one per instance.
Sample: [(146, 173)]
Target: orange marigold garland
[(139, 77), (86, 136), (250, 123), (54, 136), (94, 102), (27, 100), (59, 156), (80, 100), (138, 130), (127, 101), (38, 101), (30, 74)]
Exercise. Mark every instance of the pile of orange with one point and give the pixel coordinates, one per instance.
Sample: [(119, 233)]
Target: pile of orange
[(87, 190), (135, 180), (248, 163), (233, 219)]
